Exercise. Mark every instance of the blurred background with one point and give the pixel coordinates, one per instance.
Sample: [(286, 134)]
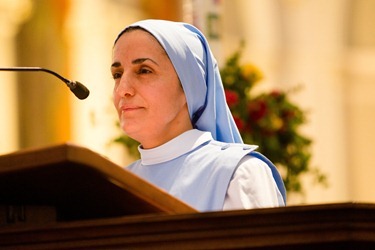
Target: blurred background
[(327, 47)]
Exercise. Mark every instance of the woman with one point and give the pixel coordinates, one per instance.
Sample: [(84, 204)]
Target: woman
[(169, 97)]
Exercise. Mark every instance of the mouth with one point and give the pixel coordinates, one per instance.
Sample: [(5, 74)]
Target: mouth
[(129, 109)]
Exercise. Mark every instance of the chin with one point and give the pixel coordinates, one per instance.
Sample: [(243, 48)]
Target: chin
[(131, 131)]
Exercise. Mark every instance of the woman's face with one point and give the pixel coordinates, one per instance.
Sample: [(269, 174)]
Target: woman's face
[(148, 96)]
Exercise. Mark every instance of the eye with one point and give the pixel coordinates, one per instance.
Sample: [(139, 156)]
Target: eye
[(144, 70), (116, 75)]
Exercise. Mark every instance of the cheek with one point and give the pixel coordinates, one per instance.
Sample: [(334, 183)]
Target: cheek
[(173, 103), (179, 97), (115, 100)]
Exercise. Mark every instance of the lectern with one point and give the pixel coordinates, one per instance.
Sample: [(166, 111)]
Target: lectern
[(68, 182), (68, 197)]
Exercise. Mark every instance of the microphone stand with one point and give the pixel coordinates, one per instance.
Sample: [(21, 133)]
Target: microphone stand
[(78, 89)]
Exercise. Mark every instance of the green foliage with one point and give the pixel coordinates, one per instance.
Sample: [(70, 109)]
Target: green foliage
[(130, 144)]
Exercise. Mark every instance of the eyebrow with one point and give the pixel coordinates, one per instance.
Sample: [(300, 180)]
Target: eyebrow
[(135, 61), (115, 65), (141, 60)]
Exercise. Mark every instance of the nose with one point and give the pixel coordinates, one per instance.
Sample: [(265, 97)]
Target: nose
[(124, 87)]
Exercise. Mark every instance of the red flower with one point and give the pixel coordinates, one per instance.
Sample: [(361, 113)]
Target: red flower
[(240, 124), (231, 97), (257, 110), (279, 96), (275, 93), (287, 114)]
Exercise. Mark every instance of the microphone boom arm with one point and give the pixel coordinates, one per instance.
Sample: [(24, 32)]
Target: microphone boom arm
[(76, 87)]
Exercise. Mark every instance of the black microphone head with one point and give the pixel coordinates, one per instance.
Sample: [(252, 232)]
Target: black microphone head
[(79, 90)]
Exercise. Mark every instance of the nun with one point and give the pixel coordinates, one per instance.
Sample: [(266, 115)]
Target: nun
[(170, 98)]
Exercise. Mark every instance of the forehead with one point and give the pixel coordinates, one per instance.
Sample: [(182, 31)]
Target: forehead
[(136, 41)]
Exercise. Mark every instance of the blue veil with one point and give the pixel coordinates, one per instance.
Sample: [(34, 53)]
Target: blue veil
[(199, 74)]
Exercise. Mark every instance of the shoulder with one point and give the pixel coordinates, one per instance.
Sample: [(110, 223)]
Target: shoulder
[(222, 154), (224, 149), (251, 167), (252, 186)]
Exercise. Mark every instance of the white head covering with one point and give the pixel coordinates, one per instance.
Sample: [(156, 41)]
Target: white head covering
[(199, 74)]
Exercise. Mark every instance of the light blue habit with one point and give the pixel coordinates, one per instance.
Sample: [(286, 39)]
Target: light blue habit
[(207, 177)]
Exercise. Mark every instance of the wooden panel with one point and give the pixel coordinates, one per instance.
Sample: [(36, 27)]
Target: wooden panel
[(330, 226)]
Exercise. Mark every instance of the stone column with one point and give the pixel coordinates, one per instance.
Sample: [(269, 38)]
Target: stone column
[(313, 48), (12, 14), (360, 105)]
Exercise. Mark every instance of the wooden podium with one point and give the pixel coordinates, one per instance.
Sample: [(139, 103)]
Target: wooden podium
[(68, 197), (74, 183)]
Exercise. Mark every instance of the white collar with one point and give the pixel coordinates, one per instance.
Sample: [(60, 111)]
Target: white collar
[(174, 148)]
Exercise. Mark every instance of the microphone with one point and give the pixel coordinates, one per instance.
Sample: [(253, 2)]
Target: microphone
[(78, 89)]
